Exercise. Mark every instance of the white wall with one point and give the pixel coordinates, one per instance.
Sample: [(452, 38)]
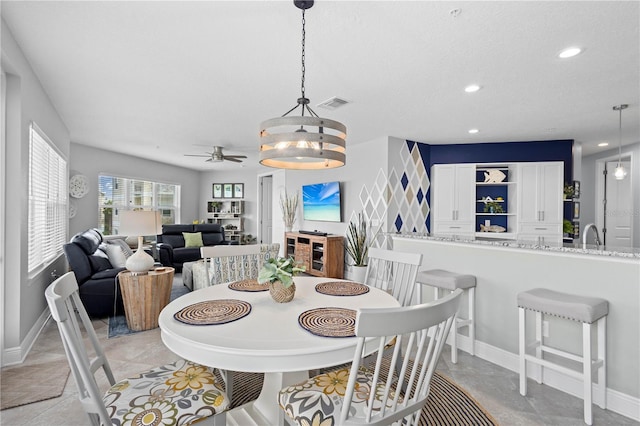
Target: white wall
[(24, 303), (364, 160), (245, 175), (588, 186), (83, 161)]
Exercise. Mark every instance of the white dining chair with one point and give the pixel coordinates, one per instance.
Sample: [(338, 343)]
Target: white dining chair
[(373, 394), (395, 272), (179, 393)]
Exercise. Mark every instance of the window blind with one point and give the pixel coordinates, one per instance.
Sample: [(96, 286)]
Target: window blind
[(48, 201)]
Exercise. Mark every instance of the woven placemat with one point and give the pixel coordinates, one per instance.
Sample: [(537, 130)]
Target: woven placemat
[(342, 288), (329, 322), (212, 312), (249, 285)]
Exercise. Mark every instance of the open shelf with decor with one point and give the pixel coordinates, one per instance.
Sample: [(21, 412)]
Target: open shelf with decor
[(229, 215), (496, 207)]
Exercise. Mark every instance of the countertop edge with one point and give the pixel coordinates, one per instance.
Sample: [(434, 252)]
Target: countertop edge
[(513, 245)]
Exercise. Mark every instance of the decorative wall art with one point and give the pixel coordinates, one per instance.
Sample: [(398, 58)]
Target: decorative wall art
[(78, 186), (217, 190), (228, 190), (238, 190)]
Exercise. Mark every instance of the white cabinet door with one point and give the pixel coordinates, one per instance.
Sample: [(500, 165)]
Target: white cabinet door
[(540, 198), (452, 200), (551, 182)]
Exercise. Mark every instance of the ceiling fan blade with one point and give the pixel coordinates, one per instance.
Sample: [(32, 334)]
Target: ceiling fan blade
[(235, 156), (235, 160), (209, 159), (196, 155)]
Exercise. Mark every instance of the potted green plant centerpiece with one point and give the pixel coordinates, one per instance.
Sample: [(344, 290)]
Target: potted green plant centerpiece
[(358, 246), (279, 273)]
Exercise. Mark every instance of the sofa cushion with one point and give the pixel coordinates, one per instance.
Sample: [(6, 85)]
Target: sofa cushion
[(192, 239), (212, 233), (99, 261), (176, 229), (185, 254), (88, 241), (107, 273)]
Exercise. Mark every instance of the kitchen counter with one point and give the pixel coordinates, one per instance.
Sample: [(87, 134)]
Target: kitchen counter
[(505, 268), (569, 248)]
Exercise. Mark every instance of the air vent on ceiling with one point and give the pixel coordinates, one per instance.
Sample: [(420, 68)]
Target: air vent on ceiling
[(333, 103)]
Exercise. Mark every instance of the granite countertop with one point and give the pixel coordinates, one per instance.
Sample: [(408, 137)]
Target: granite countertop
[(575, 248)]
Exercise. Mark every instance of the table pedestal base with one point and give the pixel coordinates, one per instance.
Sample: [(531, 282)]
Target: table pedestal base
[(265, 410)]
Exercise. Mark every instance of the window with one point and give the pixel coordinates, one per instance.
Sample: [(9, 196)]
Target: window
[(117, 193), (48, 200)]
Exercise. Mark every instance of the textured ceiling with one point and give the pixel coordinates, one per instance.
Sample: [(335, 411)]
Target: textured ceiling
[(164, 79)]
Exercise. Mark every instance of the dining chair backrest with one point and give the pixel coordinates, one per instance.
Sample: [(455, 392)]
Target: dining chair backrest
[(66, 309), (393, 271), (233, 263), (138, 395), (422, 329)]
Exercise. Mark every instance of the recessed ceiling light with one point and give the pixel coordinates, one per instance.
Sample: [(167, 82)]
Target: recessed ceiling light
[(569, 52), (472, 88), (473, 131), (603, 144)]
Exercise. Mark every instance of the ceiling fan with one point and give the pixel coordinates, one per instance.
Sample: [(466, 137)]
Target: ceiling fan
[(217, 156)]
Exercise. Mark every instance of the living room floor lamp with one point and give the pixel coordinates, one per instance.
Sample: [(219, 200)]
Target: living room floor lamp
[(139, 223), (302, 142)]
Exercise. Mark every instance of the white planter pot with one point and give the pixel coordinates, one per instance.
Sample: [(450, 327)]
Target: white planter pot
[(358, 273)]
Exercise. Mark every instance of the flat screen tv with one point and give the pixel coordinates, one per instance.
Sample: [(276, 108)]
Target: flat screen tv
[(321, 201)]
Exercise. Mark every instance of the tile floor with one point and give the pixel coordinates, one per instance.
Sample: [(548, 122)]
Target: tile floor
[(494, 387)]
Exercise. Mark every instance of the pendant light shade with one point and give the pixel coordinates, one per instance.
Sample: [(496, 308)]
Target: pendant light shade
[(620, 172), (304, 141)]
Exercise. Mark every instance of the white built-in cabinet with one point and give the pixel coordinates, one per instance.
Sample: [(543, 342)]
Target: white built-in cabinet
[(529, 197), (541, 206), (453, 199)]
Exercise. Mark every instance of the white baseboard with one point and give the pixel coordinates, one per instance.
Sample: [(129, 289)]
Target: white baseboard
[(617, 402), (17, 354)]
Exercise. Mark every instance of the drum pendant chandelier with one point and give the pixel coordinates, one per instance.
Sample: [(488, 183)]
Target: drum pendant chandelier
[(302, 142), (620, 172)]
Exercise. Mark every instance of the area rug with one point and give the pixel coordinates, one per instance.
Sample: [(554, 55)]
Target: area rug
[(118, 324), (447, 405), (32, 383)]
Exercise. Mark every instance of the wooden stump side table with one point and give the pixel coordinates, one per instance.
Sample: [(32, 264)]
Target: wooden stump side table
[(144, 296)]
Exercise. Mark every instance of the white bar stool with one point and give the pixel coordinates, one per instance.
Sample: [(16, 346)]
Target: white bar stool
[(446, 280), (587, 310)]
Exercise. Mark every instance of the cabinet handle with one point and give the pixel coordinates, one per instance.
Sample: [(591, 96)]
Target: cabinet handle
[(454, 227), (453, 215), (540, 229), (542, 213)]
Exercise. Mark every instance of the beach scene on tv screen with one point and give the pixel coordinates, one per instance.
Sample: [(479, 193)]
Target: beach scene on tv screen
[(321, 201)]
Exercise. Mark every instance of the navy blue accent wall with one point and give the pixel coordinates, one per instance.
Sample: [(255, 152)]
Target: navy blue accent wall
[(498, 152), (512, 152)]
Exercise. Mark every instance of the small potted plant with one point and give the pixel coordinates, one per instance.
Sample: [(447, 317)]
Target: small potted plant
[(279, 273), (493, 207), (358, 246), (567, 228), (568, 192)]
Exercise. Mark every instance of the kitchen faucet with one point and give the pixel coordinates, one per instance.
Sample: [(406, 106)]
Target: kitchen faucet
[(584, 235)]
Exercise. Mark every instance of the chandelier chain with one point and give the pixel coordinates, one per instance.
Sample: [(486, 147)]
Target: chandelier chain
[(303, 57)]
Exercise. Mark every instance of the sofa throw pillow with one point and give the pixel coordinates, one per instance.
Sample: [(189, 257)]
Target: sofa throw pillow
[(116, 255), (192, 239), (121, 242)]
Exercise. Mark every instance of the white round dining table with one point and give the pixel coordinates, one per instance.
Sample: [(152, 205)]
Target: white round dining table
[(268, 340)]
